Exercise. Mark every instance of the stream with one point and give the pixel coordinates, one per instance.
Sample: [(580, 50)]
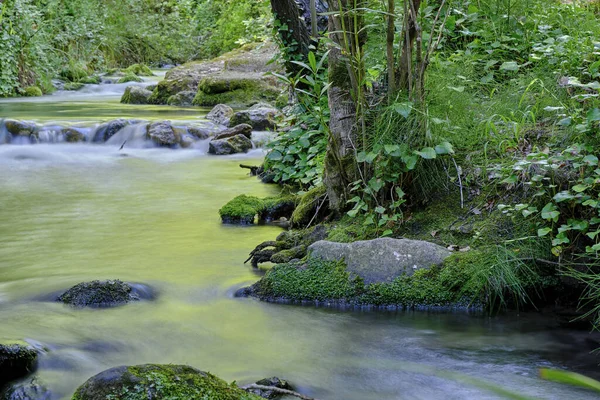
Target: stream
[(77, 212)]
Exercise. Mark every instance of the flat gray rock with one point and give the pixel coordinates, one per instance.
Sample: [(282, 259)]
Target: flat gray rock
[(383, 259)]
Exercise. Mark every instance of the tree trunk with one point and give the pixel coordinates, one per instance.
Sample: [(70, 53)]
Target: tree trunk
[(297, 17), (340, 161), (403, 75)]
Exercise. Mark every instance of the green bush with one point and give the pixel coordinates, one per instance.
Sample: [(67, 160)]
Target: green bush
[(33, 91)]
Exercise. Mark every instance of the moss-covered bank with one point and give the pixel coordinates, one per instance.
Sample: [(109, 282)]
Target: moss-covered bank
[(244, 209)]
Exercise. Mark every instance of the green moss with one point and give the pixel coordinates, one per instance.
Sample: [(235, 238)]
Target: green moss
[(317, 280), (90, 80), (163, 382), (242, 92), (139, 70), (73, 86), (167, 88), (74, 72), (243, 209), (307, 206), (129, 77), (33, 91)]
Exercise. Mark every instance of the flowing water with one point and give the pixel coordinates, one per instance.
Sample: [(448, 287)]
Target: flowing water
[(77, 212)]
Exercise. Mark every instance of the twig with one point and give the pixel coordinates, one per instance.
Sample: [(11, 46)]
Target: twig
[(123, 145), (317, 212), (278, 390)]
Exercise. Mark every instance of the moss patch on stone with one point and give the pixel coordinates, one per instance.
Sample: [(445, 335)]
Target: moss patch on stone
[(167, 88), (314, 280), (90, 80), (243, 209), (33, 91), (307, 206), (73, 86), (139, 70), (234, 91), (129, 77), (153, 381)]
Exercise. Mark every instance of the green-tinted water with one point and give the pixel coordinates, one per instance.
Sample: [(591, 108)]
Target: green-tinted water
[(72, 213)]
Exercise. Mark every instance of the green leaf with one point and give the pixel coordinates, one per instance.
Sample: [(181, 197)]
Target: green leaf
[(580, 188), (509, 66), (388, 232), (352, 213), (390, 148), (593, 115), (590, 160), (380, 210), (458, 89), (275, 155), (570, 378), (410, 161), (444, 148), (403, 109), (550, 212), (427, 153), (544, 231)]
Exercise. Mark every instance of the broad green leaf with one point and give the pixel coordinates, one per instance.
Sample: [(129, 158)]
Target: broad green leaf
[(509, 66), (563, 196), (390, 148), (275, 156), (410, 161), (444, 148), (580, 188), (570, 378), (403, 109), (550, 212), (427, 153), (593, 115), (544, 231), (590, 160)]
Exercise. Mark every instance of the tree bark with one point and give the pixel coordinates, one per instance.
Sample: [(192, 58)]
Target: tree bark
[(409, 34), (340, 162)]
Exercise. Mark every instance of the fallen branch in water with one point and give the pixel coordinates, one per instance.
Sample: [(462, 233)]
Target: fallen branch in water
[(278, 390), (123, 145), (254, 171)]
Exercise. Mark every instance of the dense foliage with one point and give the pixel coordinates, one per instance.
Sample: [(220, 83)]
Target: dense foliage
[(41, 39)]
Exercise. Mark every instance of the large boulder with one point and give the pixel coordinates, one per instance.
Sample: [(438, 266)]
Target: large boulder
[(109, 129), (151, 381), (383, 259), (261, 117), (170, 87), (220, 114), (241, 129), (235, 89), (163, 134), (230, 145), (204, 130), (111, 293), (136, 95), (30, 389), (16, 361)]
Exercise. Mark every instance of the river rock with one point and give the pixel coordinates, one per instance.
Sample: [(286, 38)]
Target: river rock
[(220, 114), (163, 134), (30, 389), (383, 259), (230, 145), (72, 135), (109, 129), (183, 98), (16, 361), (262, 117), (102, 294), (242, 129), (136, 95), (20, 128), (152, 381), (274, 382)]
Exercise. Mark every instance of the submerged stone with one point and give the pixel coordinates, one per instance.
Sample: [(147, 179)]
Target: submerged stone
[(110, 293), (30, 389), (184, 98), (16, 361), (72, 135), (273, 382), (153, 381), (383, 259)]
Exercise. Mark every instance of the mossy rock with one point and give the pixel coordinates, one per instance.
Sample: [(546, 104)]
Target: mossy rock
[(136, 95), (182, 99), (309, 206), (234, 91), (329, 282), (17, 360), (167, 88), (153, 381), (129, 77), (33, 91), (20, 128), (139, 70), (29, 389), (72, 135), (243, 209), (73, 86), (104, 294), (90, 80)]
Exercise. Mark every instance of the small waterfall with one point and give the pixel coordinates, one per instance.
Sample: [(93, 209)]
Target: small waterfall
[(134, 134)]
